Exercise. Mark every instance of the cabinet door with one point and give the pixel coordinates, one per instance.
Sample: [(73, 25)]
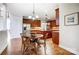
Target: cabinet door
[(55, 36), (36, 23), (57, 16), (27, 21)]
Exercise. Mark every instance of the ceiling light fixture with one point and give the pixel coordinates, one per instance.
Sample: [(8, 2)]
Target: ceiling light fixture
[(33, 14)]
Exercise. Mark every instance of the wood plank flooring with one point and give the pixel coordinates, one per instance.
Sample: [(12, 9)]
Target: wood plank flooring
[(51, 49)]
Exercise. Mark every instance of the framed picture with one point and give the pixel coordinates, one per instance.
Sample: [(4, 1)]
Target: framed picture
[(71, 19)]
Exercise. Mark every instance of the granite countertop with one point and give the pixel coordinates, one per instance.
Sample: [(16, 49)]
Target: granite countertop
[(36, 28), (55, 28)]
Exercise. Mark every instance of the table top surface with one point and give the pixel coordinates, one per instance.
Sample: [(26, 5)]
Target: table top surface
[(29, 35), (39, 35)]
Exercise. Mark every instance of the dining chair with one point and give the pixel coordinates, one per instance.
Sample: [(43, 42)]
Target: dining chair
[(28, 47), (25, 44), (43, 41)]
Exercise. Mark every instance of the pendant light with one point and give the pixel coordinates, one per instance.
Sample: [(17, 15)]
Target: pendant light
[(34, 16)]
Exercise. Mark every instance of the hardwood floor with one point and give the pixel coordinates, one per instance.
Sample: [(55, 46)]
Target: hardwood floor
[(51, 49)]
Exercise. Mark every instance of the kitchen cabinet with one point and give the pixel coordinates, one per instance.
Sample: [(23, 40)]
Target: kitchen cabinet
[(27, 21), (55, 31), (55, 37), (34, 23), (52, 23), (57, 16)]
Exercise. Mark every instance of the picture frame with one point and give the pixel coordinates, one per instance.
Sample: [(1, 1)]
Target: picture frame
[(71, 19)]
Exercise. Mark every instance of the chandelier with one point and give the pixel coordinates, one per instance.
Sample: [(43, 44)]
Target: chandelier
[(33, 14)]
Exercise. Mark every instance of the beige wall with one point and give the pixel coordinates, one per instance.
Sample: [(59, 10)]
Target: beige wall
[(69, 35)]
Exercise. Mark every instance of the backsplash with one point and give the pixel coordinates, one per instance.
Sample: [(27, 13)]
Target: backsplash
[(36, 28)]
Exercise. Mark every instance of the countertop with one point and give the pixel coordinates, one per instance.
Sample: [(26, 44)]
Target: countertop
[(55, 28)]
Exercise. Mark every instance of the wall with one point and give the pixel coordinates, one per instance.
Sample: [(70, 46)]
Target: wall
[(69, 35), (3, 40), (3, 21), (15, 26), (3, 28)]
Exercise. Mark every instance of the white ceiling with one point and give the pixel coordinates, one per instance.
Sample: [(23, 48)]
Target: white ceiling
[(26, 9)]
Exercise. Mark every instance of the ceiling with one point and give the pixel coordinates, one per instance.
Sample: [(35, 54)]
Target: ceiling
[(26, 9)]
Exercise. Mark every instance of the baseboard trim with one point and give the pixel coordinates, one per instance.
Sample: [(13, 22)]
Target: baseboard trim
[(69, 49)]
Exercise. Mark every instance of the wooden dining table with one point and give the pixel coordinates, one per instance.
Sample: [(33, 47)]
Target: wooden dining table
[(35, 35), (39, 36)]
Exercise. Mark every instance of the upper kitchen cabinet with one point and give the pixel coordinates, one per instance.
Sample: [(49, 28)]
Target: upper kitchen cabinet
[(36, 23), (52, 23), (57, 16), (27, 21), (3, 17)]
